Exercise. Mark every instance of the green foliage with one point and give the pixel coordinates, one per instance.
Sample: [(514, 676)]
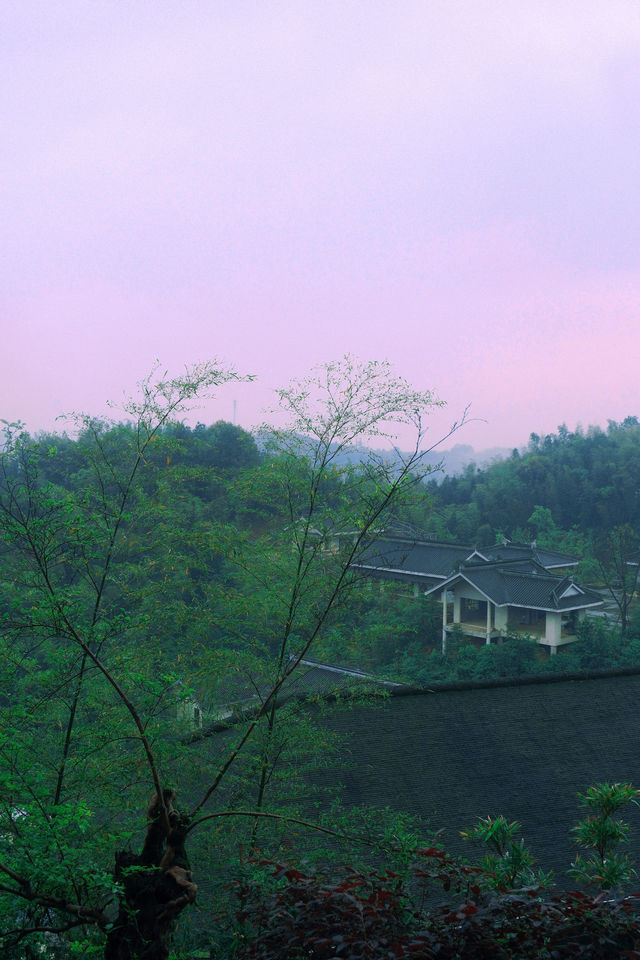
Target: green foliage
[(603, 833), (542, 524), (145, 569), (86, 553), (382, 626), (616, 555), (598, 645), (508, 863), (562, 489)]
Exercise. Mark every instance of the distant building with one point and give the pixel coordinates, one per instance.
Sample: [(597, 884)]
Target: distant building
[(489, 593)]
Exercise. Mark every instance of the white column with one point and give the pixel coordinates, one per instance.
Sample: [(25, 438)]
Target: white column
[(488, 622), (552, 627)]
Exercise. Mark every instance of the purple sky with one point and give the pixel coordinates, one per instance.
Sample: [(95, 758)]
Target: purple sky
[(453, 185)]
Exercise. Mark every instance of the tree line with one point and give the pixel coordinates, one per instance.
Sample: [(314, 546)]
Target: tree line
[(586, 480)]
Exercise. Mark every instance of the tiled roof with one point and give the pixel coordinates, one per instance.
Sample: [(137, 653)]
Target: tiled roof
[(522, 750), (550, 559), (458, 751), (310, 680), (407, 558), (524, 583), (416, 558)]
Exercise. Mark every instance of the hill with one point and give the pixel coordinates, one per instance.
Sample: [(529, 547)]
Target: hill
[(584, 481)]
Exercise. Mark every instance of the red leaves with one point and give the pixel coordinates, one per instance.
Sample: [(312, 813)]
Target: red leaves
[(375, 916), (468, 910), (356, 916)]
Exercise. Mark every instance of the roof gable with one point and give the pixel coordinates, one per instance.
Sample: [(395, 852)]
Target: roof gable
[(522, 583), (572, 590)]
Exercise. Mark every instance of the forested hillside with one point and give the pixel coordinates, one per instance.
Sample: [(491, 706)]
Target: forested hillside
[(215, 510), (586, 481)]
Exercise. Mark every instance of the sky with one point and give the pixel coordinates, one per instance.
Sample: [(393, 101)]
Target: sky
[(451, 185)]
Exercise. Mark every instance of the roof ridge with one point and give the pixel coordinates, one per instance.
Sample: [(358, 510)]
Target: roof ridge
[(443, 686), (547, 575), (525, 679), (511, 562)]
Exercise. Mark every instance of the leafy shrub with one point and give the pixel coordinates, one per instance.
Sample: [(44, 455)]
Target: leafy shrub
[(602, 833), (363, 916), (508, 863), (526, 926), (367, 916)]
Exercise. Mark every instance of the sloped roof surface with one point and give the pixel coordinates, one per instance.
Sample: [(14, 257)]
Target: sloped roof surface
[(420, 558), (525, 583), (522, 750), (530, 590), (242, 696), (434, 559), (516, 551)]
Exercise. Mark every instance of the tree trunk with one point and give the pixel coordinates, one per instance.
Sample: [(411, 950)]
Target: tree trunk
[(157, 886)]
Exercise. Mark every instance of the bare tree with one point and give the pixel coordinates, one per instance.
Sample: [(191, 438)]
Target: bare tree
[(619, 565)]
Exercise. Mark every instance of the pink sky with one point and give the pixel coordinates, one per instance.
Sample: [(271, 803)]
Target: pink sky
[(452, 185)]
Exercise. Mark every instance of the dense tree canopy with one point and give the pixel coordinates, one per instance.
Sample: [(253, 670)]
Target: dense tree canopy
[(588, 481)]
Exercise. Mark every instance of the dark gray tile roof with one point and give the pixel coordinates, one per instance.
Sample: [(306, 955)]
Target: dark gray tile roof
[(419, 559), (525, 583), (311, 679), (522, 750), (406, 558), (550, 559)]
